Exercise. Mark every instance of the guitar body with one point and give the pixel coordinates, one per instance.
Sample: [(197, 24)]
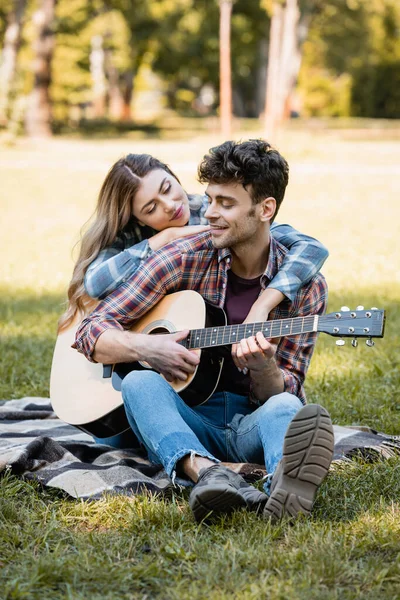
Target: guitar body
[(88, 395), (175, 313)]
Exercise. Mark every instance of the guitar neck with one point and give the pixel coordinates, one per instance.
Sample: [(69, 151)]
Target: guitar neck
[(229, 334)]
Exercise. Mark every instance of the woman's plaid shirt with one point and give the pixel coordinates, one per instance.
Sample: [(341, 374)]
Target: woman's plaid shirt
[(193, 263)]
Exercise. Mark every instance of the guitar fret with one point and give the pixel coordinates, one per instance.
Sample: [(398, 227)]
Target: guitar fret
[(229, 334)]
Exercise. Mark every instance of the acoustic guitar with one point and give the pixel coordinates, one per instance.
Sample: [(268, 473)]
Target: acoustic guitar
[(88, 395)]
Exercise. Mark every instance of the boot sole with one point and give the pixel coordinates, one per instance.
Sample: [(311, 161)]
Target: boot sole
[(307, 455), (215, 498)]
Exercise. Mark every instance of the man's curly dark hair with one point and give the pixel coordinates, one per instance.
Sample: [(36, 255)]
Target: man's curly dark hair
[(261, 170)]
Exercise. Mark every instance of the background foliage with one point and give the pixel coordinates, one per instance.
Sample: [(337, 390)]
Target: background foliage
[(350, 67)]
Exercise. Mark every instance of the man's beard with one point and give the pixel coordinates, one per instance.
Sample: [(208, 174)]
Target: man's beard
[(239, 237)]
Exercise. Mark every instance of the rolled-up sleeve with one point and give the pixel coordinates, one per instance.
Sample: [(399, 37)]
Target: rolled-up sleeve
[(155, 278), (303, 261), (113, 267), (89, 332)]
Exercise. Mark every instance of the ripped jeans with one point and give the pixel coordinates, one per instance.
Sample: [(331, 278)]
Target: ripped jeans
[(226, 428)]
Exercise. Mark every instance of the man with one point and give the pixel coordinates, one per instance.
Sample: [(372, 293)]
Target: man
[(257, 413)]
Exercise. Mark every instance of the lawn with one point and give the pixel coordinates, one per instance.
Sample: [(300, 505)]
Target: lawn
[(344, 189)]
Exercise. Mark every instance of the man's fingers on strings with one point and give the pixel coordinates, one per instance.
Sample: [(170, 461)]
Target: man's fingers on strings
[(261, 341), (234, 351), (253, 345), (240, 359)]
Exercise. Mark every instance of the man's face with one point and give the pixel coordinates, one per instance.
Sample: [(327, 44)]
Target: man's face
[(233, 218)]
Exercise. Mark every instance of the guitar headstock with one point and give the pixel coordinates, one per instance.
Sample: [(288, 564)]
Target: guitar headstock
[(359, 323)]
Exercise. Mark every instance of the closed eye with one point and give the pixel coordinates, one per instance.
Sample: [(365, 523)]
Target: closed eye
[(152, 209)]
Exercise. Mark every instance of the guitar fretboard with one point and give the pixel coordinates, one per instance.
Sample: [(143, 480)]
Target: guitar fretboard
[(229, 334)]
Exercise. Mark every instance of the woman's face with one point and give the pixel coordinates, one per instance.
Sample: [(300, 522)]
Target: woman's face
[(161, 202)]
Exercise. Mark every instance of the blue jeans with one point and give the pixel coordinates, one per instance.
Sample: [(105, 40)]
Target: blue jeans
[(226, 428), (126, 439)]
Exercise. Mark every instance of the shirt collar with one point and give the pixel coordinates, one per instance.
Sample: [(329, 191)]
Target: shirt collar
[(275, 258), (224, 253)]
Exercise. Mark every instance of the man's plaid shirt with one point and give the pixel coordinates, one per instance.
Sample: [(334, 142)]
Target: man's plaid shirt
[(117, 263), (193, 263)]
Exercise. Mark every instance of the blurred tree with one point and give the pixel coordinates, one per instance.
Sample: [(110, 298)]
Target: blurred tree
[(97, 71), (274, 60), (39, 115), (112, 29), (106, 40), (71, 86), (290, 22), (186, 54), (8, 58), (225, 77), (350, 49), (353, 53)]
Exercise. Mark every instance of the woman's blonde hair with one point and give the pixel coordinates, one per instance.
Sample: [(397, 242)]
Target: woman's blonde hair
[(113, 213)]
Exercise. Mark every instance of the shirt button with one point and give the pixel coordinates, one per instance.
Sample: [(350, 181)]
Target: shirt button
[(224, 285)]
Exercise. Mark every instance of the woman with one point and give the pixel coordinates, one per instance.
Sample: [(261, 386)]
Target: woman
[(141, 207)]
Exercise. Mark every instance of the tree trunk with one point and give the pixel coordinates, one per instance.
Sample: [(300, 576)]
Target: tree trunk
[(97, 71), (115, 106), (127, 92), (261, 84), (8, 62), (274, 54), (225, 67), (288, 64), (120, 88), (288, 32), (38, 118)]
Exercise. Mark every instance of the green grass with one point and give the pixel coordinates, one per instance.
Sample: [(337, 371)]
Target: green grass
[(147, 548), (127, 548)]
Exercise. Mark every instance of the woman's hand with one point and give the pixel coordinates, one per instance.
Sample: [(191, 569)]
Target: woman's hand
[(171, 234)]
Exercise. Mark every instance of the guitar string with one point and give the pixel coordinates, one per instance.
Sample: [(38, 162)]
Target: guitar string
[(217, 335)]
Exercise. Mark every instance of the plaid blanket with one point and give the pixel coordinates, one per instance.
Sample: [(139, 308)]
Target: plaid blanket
[(35, 444)]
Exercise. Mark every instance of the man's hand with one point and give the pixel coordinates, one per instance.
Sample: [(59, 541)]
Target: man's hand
[(255, 353), (165, 355), (161, 352), (259, 313)]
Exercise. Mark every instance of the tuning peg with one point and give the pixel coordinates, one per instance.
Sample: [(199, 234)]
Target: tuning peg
[(360, 308), (370, 342), (374, 308), (345, 309), (354, 343), (340, 342)]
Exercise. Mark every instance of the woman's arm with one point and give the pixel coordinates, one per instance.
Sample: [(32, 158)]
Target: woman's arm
[(303, 261), (305, 258), (114, 265)]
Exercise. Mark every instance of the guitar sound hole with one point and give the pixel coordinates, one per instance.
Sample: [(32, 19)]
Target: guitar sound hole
[(158, 331)]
